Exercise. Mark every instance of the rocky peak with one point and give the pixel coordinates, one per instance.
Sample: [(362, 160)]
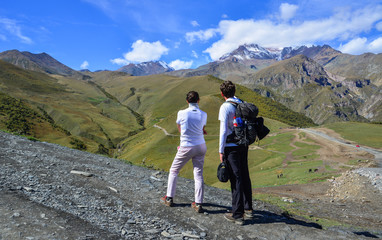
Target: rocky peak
[(321, 54)]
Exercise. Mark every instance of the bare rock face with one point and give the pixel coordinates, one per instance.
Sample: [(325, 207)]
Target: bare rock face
[(51, 191)]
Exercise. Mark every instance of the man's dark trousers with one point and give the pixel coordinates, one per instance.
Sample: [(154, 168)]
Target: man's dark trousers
[(241, 188)]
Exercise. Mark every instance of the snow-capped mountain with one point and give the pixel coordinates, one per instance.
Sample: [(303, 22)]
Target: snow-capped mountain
[(252, 51), (146, 68)]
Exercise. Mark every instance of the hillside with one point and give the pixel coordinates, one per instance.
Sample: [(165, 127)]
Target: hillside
[(303, 85), (78, 107)]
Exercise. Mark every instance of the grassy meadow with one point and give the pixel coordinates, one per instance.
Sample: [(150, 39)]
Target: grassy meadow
[(361, 133)]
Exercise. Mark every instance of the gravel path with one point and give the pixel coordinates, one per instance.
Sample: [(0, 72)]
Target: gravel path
[(373, 174), (52, 192)]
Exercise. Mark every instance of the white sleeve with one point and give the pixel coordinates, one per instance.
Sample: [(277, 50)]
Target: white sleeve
[(223, 114), (178, 117), (205, 119), (222, 135)]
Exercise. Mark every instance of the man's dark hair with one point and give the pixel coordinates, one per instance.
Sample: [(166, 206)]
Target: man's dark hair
[(228, 89), (192, 97)]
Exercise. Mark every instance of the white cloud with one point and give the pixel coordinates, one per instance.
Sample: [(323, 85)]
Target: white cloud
[(201, 35), (142, 52), (194, 54), (355, 46), (343, 26), (14, 29), (119, 61), (85, 65), (287, 11), (194, 23), (178, 64), (361, 45), (224, 16), (376, 45)]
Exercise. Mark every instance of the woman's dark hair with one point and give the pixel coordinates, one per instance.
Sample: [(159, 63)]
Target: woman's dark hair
[(192, 97), (228, 89)]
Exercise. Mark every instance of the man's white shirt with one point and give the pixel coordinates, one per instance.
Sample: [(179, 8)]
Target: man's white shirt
[(226, 114)]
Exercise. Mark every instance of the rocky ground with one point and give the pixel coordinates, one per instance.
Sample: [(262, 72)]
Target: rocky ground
[(51, 192)]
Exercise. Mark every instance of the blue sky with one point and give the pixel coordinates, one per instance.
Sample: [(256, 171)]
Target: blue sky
[(107, 34)]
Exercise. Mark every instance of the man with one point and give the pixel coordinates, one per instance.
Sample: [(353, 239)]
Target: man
[(191, 123), (236, 157)]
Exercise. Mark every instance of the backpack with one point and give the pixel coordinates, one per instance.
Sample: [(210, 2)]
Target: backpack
[(247, 126)]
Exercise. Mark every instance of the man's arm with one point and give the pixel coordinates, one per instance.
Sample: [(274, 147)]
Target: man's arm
[(179, 128), (204, 130), (222, 138)]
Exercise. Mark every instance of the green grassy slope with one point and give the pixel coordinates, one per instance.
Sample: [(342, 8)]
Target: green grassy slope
[(160, 97), (18, 117), (78, 106)]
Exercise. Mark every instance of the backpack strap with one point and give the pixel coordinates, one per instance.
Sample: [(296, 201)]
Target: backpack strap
[(233, 103)]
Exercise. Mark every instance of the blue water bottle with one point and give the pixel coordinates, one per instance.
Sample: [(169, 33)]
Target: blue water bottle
[(239, 122)]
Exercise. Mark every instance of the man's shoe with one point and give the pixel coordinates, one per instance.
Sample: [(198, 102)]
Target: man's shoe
[(238, 221), (167, 201), (197, 207), (248, 214)]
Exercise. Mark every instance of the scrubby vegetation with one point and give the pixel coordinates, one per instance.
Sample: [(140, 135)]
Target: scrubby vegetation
[(78, 144), (16, 115)]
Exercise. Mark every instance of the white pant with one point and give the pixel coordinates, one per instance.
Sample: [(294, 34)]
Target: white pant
[(183, 155)]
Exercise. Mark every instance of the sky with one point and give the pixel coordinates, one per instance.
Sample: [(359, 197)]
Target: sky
[(108, 34)]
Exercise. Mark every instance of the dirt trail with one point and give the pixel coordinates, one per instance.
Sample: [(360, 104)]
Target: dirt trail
[(120, 201), (165, 131)]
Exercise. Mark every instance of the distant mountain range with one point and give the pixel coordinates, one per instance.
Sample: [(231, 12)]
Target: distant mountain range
[(318, 81), (146, 68)]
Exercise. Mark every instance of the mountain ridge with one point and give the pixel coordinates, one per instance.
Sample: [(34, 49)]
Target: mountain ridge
[(41, 62)]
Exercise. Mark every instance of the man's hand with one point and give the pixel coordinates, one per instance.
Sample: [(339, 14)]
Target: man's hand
[(221, 157)]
